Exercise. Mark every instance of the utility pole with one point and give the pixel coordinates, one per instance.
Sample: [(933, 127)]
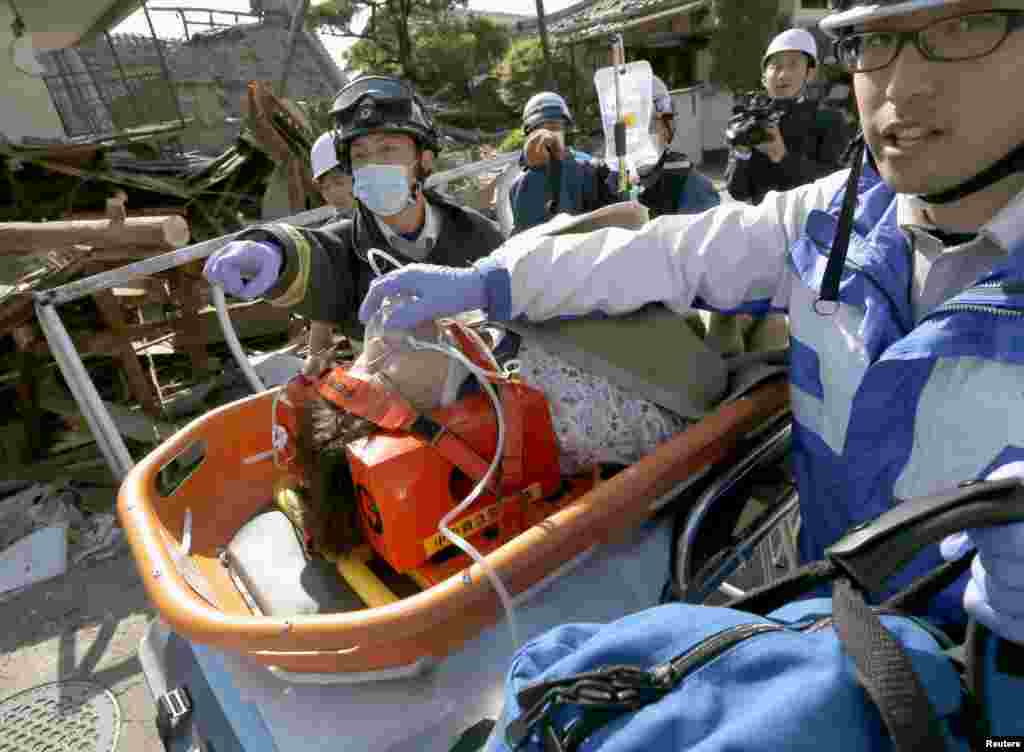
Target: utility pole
[(298, 18), (542, 26)]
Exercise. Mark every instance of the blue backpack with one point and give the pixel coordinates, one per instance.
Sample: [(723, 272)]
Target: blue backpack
[(772, 673)]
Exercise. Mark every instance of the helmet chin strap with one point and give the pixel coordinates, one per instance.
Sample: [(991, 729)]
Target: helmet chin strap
[(1011, 163), (828, 296)]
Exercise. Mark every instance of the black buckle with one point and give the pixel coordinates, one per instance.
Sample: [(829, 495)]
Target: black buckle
[(602, 694), (173, 709)]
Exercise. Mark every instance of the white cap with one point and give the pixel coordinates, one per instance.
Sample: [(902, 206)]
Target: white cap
[(323, 155), (793, 40), (662, 100)]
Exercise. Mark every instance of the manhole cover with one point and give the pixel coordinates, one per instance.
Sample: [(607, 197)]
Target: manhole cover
[(69, 716)]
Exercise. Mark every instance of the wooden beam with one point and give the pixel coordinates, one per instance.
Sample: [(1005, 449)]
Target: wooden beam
[(28, 393), (158, 211), (25, 238), (186, 289), (140, 385), (250, 320)]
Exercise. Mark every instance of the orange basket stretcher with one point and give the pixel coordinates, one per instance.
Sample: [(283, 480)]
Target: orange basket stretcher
[(196, 595)]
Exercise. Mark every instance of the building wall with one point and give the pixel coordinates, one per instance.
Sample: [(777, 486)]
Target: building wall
[(211, 73), (27, 109), (243, 54)]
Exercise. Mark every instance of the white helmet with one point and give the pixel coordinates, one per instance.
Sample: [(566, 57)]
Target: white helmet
[(793, 40), (543, 107), (849, 13), (662, 99), (324, 155)]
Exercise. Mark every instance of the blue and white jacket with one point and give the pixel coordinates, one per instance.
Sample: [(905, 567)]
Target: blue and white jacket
[(883, 407)]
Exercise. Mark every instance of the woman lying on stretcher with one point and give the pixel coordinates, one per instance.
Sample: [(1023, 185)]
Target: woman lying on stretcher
[(594, 421)]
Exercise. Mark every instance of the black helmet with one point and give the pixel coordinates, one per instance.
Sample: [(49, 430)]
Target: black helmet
[(374, 104)]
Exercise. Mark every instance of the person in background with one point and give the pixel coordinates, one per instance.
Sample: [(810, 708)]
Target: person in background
[(386, 140), (556, 178), (807, 143), (902, 277), (334, 185), (670, 185)]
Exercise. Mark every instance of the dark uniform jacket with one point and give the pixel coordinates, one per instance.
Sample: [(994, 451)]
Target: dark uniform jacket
[(573, 185), (815, 141), (672, 186), (326, 274)]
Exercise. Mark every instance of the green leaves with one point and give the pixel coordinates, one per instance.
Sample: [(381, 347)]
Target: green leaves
[(741, 34)]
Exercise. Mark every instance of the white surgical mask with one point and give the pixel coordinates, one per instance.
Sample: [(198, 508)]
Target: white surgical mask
[(384, 189)]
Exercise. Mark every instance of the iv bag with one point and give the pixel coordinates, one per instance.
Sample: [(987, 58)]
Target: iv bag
[(636, 89)]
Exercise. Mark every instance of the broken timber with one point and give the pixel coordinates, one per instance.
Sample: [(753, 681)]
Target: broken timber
[(28, 238)]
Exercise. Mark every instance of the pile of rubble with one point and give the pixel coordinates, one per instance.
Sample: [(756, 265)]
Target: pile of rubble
[(45, 528), (153, 347)]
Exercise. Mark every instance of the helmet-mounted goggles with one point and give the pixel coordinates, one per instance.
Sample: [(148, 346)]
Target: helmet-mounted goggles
[(372, 101)]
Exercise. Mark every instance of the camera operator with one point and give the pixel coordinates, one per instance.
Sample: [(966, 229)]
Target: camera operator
[(779, 139)]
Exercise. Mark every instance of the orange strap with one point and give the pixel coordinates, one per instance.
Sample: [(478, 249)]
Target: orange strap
[(392, 412), (368, 400), (460, 454), (515, 435), (470, 344), (473, 347)]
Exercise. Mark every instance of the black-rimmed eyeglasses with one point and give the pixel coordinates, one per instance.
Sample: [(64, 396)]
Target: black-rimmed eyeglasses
[(964, 37)]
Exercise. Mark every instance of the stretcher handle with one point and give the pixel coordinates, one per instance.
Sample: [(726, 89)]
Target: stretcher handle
[(871, 553)]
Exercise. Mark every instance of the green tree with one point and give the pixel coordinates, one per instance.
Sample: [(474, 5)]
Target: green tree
[(453, 55), (522, 74), (337, 14), (743, 29), (387, 44)]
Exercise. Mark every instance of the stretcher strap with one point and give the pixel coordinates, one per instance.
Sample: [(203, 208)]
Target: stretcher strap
[(885, 672), (515, 435), (383, 407), (391, 412), (469, 344)]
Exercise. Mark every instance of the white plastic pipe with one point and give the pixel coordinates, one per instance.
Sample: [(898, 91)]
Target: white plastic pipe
[(231, 337)]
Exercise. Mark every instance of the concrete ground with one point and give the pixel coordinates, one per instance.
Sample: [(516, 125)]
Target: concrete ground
[(85, 625)]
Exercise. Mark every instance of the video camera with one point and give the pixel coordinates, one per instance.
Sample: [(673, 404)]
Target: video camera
[(754, 113)]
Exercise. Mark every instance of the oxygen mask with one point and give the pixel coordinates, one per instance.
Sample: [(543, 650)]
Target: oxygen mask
[(410, 361)]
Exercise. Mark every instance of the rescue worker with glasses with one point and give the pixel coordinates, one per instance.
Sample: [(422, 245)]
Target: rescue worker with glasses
[(386, 140), (902, 277)]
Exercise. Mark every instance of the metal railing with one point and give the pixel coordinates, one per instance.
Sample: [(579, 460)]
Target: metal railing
[(213, 17), (107, 436)]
